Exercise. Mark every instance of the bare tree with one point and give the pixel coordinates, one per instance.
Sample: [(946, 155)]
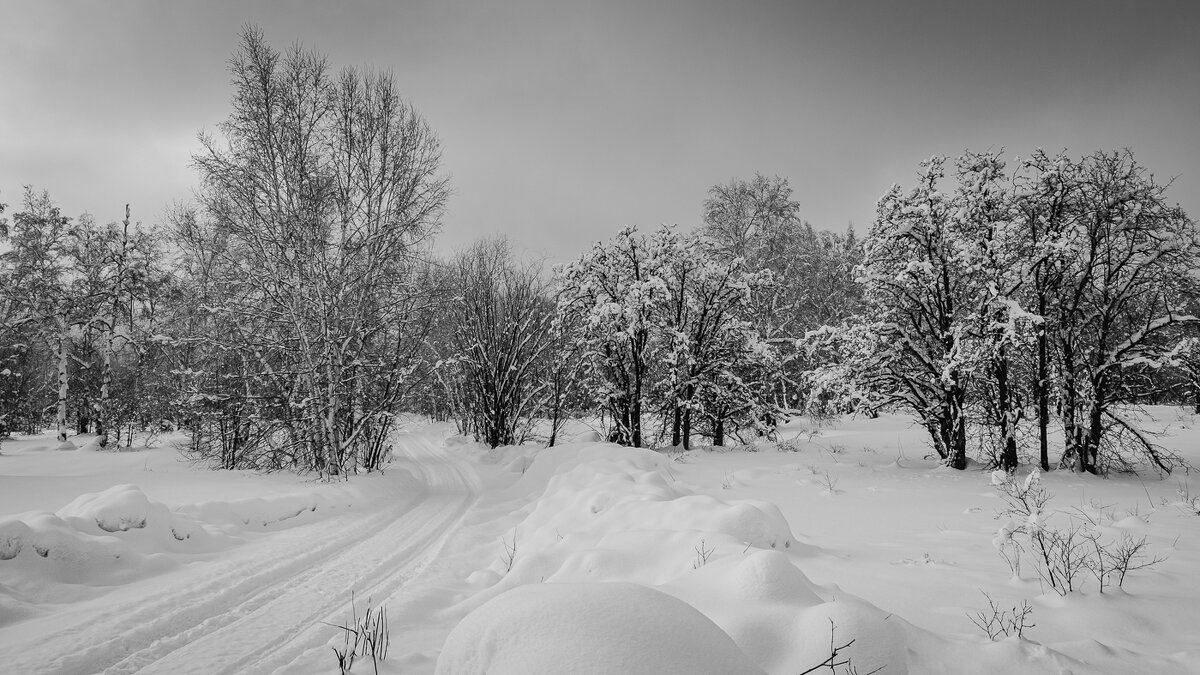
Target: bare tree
[(501, 338), (321, 193)]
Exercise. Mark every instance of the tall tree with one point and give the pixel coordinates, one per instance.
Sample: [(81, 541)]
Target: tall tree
[(40, 274), (613, 294), (322, 190), (1119, 304), (917, 294), (710, 346), (758, 221)]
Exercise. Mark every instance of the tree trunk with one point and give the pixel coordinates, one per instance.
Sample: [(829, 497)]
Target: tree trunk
[(687, 429), (635, 405), (954, 426), (1068, 407), (1004, 402), (1089, 454), (61, 355), (676, 425), (103, 414), (719, 432), (1041, 389)]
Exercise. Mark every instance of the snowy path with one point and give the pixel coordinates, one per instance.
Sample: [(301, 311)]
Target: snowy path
[(259, 609)]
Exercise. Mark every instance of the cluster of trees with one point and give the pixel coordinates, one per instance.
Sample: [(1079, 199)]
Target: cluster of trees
[(78, 306), (997, 301), (665, 335), (294, 311), (281, 318)]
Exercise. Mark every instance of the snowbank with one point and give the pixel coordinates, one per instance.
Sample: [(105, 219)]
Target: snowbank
[(100, 538), (608, 513), (119, 534), (604, 628), (597, 512)]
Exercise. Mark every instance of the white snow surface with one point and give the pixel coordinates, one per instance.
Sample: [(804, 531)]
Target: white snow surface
[(589, 628), (584, 558)]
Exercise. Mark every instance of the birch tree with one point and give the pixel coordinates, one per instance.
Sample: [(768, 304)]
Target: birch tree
[(40, 300), (324, 188)]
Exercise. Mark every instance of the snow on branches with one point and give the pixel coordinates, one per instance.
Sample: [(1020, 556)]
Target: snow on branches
[(996, 288)]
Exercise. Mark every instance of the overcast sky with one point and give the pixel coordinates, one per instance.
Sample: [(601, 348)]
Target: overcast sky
[(563, 121)]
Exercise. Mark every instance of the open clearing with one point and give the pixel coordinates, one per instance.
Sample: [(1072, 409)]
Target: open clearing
[(168, 567)]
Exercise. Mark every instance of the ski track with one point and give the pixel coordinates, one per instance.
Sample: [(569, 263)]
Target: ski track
[(253, 615)]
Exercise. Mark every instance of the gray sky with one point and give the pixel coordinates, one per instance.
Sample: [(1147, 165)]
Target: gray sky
[(563, 121)]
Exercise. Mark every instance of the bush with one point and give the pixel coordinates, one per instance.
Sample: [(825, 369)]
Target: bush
[(1062, 556)]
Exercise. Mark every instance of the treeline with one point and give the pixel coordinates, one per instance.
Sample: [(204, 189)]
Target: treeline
[(294, 311), (665, 335), (1000, 301)]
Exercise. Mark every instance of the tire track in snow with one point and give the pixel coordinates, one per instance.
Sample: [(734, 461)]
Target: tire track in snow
[(275, 634), (243, 611)]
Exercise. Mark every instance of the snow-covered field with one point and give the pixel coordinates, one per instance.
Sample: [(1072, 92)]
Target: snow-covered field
[(581, 558)]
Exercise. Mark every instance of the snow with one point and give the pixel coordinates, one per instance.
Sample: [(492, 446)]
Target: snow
[(586, 557), (546, 629)]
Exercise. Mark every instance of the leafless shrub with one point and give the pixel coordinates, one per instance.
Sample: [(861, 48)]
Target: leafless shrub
[(998, 623), (1062, 556), (832, 663), (829, 482), (510, 552), (1189, 503), (1112, 561), (702, 555)]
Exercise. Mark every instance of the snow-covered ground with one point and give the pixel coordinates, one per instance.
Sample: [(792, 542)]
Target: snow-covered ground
[(581, 558)]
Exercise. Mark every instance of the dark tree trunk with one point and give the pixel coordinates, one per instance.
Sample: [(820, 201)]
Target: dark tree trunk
[(687, 429), (954, 426), (676, 425), (1041, 388), (1008, 418), (635, 422)]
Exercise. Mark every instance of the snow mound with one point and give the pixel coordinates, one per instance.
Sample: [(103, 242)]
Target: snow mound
[(778, 617), (589, 628), (608, 513), (120, 534), (100, 538), (118, 509)]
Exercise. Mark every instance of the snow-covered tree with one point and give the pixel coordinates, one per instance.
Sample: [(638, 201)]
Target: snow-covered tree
[(613, 295), (758, 221), (995, 254), (1067, 279), (663, 321), (320, 193), (1118, 303), (918, 293), (711, 350)]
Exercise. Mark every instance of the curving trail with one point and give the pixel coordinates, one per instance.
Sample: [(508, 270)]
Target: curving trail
[(260, 607)]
